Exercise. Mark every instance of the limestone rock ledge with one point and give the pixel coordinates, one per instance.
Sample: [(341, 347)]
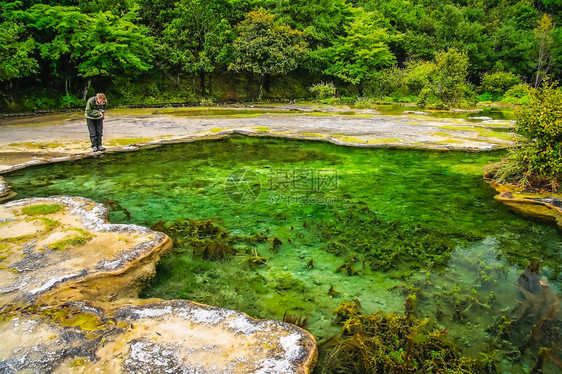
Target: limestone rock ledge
[(4, 189), (69, 282), (47, 242), (161, 337), (546, 207)]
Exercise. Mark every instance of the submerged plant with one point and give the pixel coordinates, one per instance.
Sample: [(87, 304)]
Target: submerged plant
[(207, 240), (348, 265), (386, 245), (535, 320), (300, 321), (254, 259), (390, 343), (115, 206)]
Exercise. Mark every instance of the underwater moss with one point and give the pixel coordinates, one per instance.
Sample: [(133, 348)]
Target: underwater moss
[(205, 238), (385, 245), (41, 209)]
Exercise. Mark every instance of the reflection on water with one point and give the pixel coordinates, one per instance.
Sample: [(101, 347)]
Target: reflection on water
[(272, 227)]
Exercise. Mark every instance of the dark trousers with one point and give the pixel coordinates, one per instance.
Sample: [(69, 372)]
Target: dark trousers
[(95, 127)]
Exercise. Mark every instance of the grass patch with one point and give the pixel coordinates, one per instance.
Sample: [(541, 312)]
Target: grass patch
[(80, 239), (458, 128), (349, 139), (127, 141), (42, 209), (443, 134), (262, 129), (41, 145), (383, 141), (310, 134), (497, 134)]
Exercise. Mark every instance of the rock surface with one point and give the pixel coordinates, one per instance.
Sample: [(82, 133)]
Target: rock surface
[(58, 138), (158, 337), (47, 242), (68, 287), (546, 207)]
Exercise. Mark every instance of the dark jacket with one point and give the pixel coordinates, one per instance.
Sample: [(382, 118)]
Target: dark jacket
[(93, 108)]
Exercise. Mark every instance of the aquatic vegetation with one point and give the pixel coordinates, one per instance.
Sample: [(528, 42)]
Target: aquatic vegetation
[(418, 223), (300, 321), (390, 343), (254, 259), (207, 240), (332, 291), (275, 244), (115, 206), (348, 264), (532, 323), (386, 245)]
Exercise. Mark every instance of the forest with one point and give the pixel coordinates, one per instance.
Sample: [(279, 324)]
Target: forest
[(440, 54)]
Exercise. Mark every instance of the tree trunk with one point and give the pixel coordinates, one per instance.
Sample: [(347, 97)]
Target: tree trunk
[(262, 79), (66, 85), (360, 88), (210, 84), (87, 88), (202, 83), (267, 82)]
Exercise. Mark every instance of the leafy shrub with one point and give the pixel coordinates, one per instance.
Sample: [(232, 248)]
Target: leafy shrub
[(417, 74), (447, 86), (152, 90), (486, 96), (71, 101), (498, 83), (518, 94), (384, 82), (40, 102), (323, 90), (537, 161), (363, 103), (207, 102)]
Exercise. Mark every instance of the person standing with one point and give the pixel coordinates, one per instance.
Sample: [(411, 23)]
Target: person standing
[(95, 113)]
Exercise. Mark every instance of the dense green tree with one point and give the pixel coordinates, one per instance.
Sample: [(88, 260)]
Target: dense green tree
[(388, 46), (321, 21), (198, 37), (16, 52), (264, 47), (355, 56), (89, 46), (545, 48), (497, 83), (447, 86)]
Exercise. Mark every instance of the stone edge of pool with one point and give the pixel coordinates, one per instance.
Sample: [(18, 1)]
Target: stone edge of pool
[(547, 207), (95, 319), (6, 193), (334, 139)]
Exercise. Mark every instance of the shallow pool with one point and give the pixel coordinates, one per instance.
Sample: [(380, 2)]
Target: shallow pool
[(312, 224)]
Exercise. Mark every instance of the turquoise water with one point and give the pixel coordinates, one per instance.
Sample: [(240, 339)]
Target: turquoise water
[(404, 222)]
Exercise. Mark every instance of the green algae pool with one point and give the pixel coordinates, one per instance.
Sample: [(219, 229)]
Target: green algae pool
[(328, 224)]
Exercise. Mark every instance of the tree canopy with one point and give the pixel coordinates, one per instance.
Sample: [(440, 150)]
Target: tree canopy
[(201, 48)]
